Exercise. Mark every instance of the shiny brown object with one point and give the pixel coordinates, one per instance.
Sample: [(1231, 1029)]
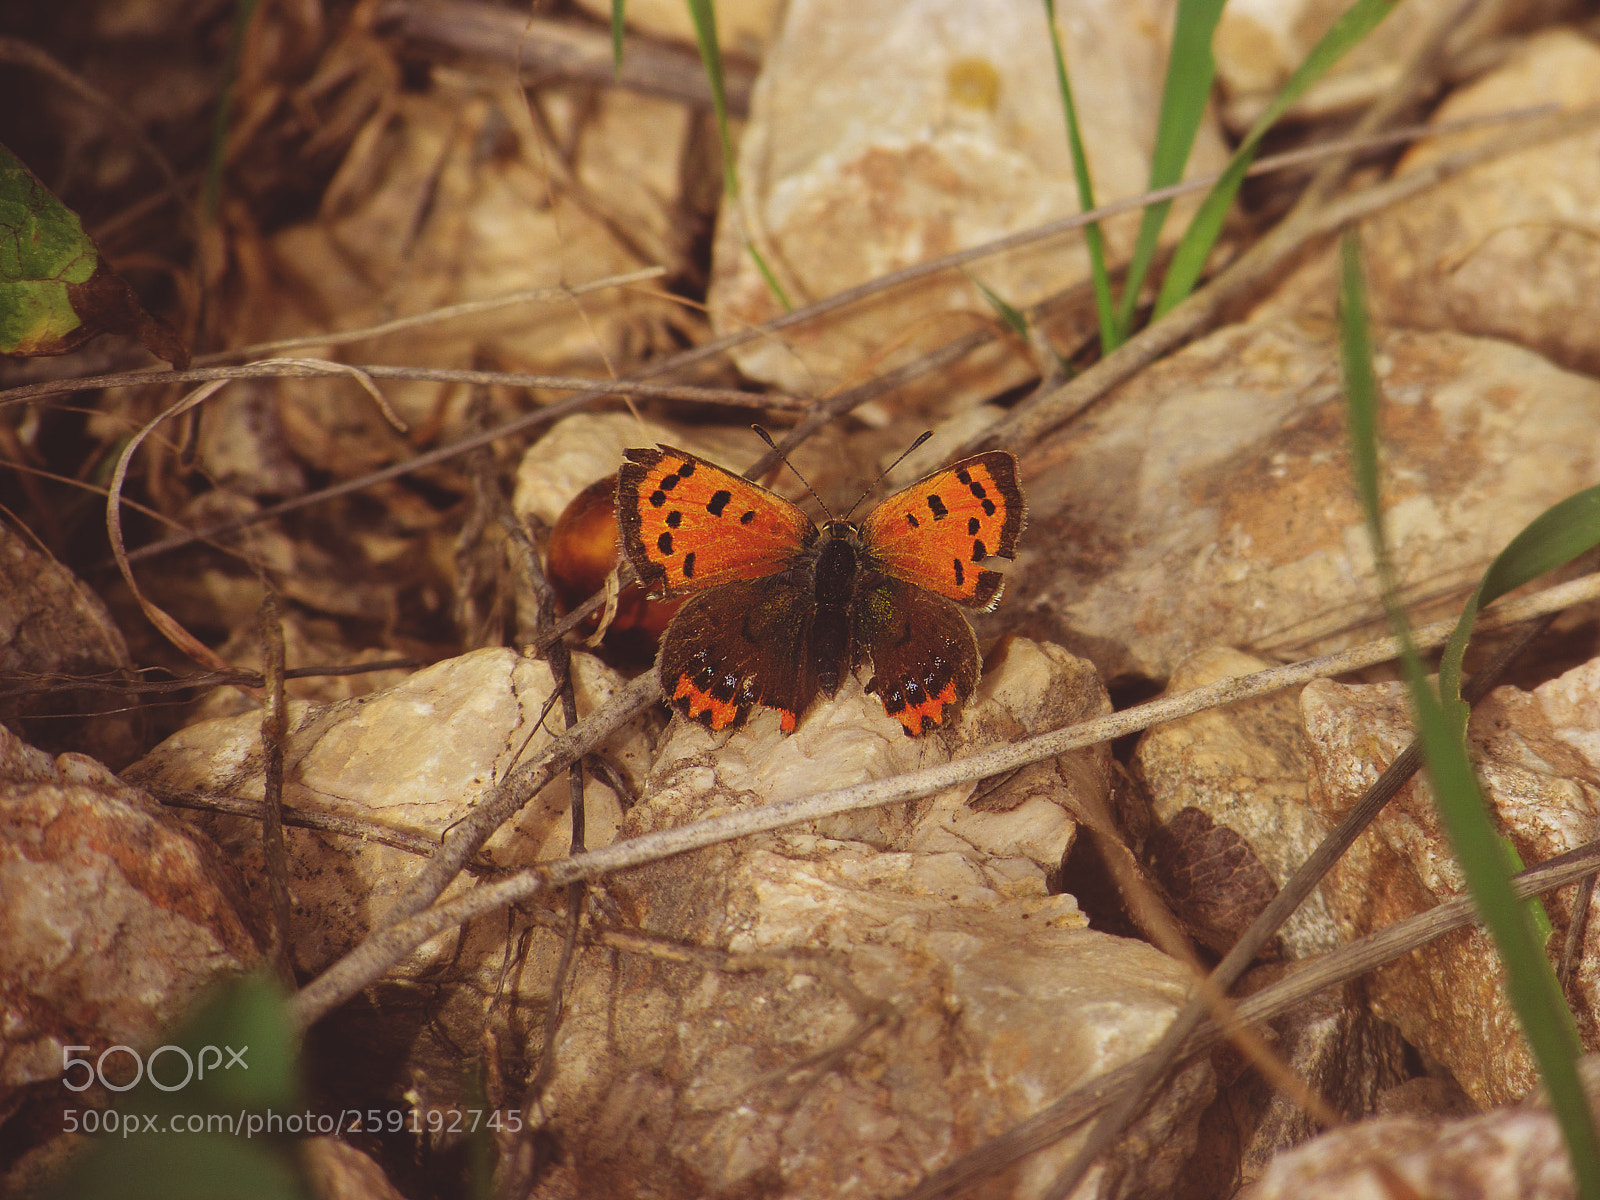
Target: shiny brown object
[(583, 551)]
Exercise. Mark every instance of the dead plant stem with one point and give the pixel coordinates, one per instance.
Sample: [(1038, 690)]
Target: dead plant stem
[(411, 922)]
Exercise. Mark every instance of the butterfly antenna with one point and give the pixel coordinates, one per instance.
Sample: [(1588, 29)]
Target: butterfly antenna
[(926, 434), (773, 446)]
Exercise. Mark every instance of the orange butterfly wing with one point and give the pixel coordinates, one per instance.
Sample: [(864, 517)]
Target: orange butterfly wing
[(687, 524), (937, 533)]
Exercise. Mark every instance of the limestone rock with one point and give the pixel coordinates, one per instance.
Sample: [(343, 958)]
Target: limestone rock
[(116, 917), (1532, 751), (886, 133), (1506, 249), (1509, 1154), (1209, 499)]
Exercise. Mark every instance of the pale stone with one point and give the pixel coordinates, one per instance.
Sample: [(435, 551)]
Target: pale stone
[(1530, 752), (588, 446), (1001, 999), (1209, 499), (887, 133), (1509, 1154), (417, 757), (1508, 248), (117, 916), (1244, 765), (1260, 43)]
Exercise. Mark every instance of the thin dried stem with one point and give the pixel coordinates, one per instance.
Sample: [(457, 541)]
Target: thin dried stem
[(1304, 980), (274, 732), (1044, 411), (1289, 898), (434, 316), (411, 923)]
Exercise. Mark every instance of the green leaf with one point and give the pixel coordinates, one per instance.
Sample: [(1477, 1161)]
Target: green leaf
[(1552, 539), (1191, 69), (43, 249), (1530, 980), (55, 290), (1189, 260), (177, 1135), (1092, 235)]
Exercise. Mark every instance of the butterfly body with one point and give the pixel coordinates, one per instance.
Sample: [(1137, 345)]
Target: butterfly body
[(780, 610)]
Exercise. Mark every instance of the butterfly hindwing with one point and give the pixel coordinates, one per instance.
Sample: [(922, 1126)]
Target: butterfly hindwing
[(924, 654), (938, 531), (687, 524), (745, 643)]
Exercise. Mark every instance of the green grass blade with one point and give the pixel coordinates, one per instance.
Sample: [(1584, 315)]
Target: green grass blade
[(703, 14), (1191, 69), (1530, 980), (1092, 236), (1007, 312), (619, 11), (1552, 539), (1017, 321), (771, 279), (1360, 19), (211, 193)]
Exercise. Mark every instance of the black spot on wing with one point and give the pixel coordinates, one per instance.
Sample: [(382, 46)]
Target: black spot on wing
[(748, 517), (719, 501), (658, 498), (688, 565), (979, 550), (961, 572), (675, 518), (937, 508), (664, 543), (973, 525), (911, 519)]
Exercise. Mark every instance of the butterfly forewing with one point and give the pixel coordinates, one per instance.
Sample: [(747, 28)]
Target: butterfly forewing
[(687, 524), (938, 531)]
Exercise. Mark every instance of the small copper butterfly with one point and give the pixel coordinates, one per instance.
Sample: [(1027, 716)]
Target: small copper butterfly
[(780, 610)]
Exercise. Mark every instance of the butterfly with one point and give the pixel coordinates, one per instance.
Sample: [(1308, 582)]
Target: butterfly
[(780, 610)]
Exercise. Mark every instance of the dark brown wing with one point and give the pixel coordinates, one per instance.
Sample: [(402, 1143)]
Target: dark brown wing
[(924, 654), (745, 643)]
